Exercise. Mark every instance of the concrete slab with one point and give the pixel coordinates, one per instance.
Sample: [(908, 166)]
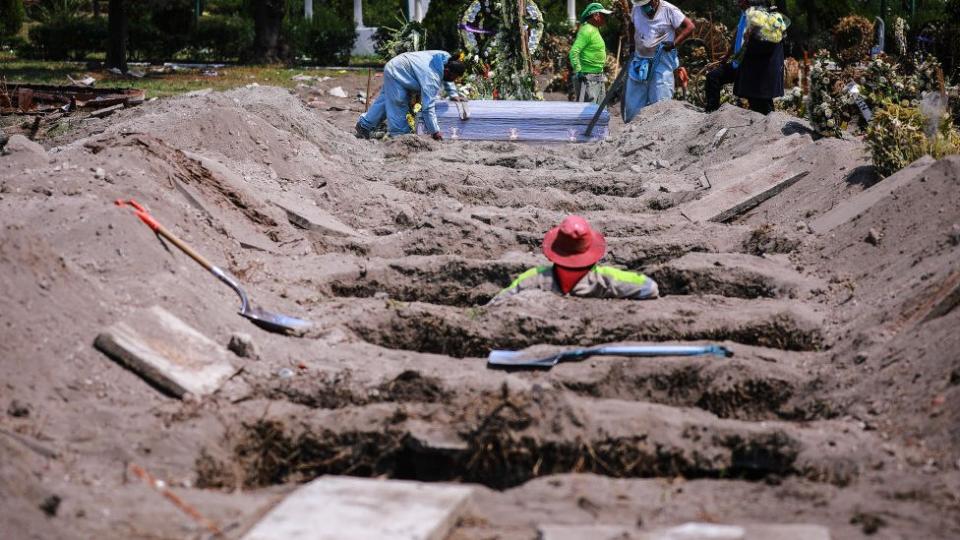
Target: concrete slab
[(733, 170), (712, 531), (341, 508), (853, 207), (304, 215), (239, 229), (582, 532), (167, 352), (729, 200)]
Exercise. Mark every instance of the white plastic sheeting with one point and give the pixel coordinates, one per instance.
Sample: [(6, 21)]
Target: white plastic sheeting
[(521, 121)]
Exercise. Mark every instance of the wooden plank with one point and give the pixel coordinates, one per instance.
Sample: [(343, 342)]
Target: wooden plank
[(167, 353), (853, 207), (726, 203), (341, 508)]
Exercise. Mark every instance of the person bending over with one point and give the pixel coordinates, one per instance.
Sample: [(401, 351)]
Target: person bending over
[(423, 72)]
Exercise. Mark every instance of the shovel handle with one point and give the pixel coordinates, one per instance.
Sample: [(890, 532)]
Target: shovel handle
[(156, 227)]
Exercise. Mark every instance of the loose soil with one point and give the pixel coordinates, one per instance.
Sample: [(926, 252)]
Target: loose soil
[(839, 407)]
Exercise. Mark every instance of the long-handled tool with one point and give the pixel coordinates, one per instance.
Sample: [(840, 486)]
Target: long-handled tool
[(533, 359), (615, 90), (619, 85), (262, 318)]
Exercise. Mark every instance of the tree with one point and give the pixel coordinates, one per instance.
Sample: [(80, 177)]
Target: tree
[(11, 17), (267, 23), (118, 33)]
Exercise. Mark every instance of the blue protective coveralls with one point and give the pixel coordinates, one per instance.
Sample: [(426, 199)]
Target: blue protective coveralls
[(651, 70), (649, 80), (420, 71)]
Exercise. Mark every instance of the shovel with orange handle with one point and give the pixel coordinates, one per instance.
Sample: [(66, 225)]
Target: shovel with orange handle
[(272, 322)]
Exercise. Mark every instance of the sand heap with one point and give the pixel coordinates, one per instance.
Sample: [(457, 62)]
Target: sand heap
[(843, 381)]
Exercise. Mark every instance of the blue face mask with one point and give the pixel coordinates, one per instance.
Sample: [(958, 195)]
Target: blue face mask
[(648, 9)]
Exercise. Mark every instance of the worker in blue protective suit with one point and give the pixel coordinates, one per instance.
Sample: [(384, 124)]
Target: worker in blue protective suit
[(423, 72), (659, 28)]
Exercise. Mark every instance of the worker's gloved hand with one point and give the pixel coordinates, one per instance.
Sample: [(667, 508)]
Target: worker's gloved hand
[(458, 98), (437, 136), (581, 76), (668, 46)]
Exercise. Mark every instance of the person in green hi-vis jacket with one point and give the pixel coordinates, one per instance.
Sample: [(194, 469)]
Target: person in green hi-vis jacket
[(588, 56)]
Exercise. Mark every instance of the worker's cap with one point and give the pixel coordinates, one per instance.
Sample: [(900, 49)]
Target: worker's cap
[(574, 244), (595, 7), (640, 3)]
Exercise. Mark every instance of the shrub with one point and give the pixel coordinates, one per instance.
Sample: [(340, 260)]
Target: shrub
[(326, 40), (220, 37), (11, 17), (897, 138), (68, 37)]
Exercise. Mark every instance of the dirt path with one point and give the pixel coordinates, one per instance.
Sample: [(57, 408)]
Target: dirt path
[(838, 409)]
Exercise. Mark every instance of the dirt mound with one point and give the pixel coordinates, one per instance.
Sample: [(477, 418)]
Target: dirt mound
[(844, 376)]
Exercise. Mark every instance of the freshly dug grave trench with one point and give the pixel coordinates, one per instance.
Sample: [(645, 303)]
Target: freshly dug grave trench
[(734, 275), (741, 388), (459, 282), (475, 332), (728, 388), (502, 440), (325, 391)]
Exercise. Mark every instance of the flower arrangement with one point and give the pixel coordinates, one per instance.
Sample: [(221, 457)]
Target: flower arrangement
[(767, 25), (900, 28), (825, 106), (852, 39), (927, 75), (501, 38), (793, 102)]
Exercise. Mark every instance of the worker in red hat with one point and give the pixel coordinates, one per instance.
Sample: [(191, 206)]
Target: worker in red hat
[(575, 249)]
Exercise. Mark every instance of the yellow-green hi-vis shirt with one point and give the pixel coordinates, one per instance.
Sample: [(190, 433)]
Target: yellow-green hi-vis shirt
[(589, 52)]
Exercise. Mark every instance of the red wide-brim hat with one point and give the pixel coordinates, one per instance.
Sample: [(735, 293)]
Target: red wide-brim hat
[(564, 251)]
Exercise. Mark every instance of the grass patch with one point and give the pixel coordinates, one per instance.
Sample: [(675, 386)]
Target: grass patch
[(155, 84)]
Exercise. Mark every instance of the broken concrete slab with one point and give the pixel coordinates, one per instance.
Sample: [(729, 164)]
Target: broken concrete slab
[(580, 532), (732, 171), (310, 217), (713, 531), (727, 202), (167, 352), (240, 230), (341, 508), (855, 206)]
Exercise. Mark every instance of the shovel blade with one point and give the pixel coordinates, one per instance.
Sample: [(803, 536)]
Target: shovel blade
[(520, 359), (274, 322)]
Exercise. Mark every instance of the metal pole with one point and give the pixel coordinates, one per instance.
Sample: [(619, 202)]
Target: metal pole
[(358, 13), (308, 10), (572, 11), (196, 13)]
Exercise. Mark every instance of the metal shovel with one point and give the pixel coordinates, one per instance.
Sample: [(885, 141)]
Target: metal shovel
[(272, 322), (535, 359)]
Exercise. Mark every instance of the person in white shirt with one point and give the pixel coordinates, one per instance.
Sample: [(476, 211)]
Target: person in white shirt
[(659, 28)]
